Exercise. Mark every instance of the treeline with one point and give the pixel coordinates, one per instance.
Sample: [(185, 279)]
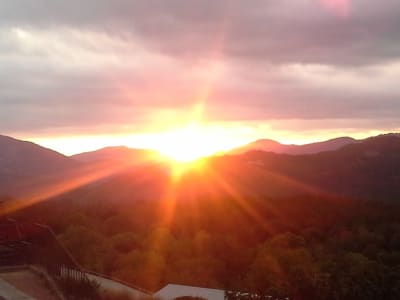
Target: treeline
[(299, 247)]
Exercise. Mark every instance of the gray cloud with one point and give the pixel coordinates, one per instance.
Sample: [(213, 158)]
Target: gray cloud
[(82, 63), (276, 31)]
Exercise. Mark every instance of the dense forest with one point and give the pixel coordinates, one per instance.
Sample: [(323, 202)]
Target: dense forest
[(306, 247)]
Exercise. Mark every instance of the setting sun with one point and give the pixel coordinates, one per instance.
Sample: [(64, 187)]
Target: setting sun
[(193, 142), (199, 150)]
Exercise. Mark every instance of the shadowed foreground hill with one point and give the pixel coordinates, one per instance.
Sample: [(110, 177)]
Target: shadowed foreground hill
[(310, 247)]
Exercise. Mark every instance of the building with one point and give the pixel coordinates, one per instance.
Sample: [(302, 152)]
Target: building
[(173, 291)]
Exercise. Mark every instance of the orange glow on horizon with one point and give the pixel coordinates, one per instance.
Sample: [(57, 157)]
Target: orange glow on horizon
[(227, 137), (193, 142)]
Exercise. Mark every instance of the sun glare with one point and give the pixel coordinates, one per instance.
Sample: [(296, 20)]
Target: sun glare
[(191, 143)]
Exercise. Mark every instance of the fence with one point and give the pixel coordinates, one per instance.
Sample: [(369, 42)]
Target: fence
[(36, 244)]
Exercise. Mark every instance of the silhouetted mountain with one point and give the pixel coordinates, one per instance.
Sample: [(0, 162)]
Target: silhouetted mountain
[(118, 154), (368, 169), (25, 164), (273, 146), (30, 171), (20, 159)]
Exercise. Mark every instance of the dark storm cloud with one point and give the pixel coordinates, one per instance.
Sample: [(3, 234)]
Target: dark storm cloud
[(266, 46)]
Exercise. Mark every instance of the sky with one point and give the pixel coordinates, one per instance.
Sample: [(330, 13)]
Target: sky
[(79, 75)]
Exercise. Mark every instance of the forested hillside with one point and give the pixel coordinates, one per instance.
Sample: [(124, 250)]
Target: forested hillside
[(304, 247), (322, 226), (365, 170)]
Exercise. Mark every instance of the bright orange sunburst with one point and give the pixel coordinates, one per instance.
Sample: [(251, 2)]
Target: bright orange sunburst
[(192, 142)]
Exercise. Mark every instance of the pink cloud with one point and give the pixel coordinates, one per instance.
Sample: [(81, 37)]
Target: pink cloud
[(340, 8)]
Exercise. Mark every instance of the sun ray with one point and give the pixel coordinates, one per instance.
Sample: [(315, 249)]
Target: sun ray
[(239, 198), (42, 189)]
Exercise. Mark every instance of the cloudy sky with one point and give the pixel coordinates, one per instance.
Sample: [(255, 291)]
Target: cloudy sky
[(292, 70)]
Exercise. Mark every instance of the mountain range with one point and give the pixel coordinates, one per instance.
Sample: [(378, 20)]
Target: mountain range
[(21, 158), (367, 169), (271, 211), (26, 167), (276, 147), (119, 154), (23, 163)]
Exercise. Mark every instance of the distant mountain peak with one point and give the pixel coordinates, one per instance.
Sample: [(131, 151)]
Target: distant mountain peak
[(269, 145), (114, 153), (22, 160)]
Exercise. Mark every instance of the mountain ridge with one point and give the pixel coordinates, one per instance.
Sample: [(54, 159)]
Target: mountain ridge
[(119, 154), (365, 168), (269, 145), (24, 157)]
